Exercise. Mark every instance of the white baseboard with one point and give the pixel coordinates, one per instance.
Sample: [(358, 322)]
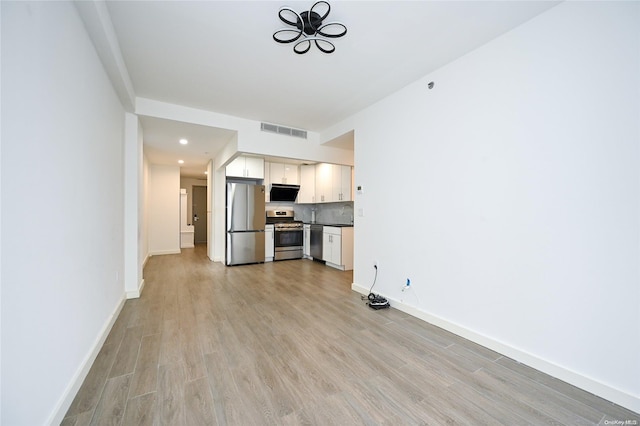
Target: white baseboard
[(161, 252), (136, 293), (588, 384), (74, 386)]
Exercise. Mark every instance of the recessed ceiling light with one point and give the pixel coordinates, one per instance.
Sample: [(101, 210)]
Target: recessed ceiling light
[(183, 141), (181, 161)]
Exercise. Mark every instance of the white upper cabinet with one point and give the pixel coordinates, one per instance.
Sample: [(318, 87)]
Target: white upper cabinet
[(307, 194), (284, 173), (341, 183), (333, 183), (324, 182), (236, 167), (246, 166), (319, 183)]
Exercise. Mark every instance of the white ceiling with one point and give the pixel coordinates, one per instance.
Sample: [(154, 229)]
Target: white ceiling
[(220, 56), (162, 144)]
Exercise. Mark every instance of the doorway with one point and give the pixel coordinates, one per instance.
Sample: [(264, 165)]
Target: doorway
[(199, 209)]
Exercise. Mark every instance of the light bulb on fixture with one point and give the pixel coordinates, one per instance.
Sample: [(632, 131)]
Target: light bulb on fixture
[(183, 141), (180, 161)]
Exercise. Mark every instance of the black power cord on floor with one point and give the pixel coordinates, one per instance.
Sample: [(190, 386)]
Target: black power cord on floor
[(376, 301)]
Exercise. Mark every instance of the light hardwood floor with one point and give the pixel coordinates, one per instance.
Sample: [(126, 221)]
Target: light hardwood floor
[(289, 343)]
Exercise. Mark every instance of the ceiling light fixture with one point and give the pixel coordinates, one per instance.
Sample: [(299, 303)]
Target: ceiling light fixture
[(309, 24), (180, 161), (183, 141)]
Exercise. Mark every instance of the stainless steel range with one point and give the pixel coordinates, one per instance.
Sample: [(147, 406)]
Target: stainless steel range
[(287, 235)]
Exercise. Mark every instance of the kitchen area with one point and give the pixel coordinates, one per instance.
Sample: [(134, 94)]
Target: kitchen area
[(278, 210)]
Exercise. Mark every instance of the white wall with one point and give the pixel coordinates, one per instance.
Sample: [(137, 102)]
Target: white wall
[(142, 230), (216, 205), (164, 209), (133, 166), (0, 229), (62, 209), (515, 182), (143, 226)]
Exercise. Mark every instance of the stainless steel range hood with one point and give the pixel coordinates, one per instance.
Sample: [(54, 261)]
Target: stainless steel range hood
[(283, 192)]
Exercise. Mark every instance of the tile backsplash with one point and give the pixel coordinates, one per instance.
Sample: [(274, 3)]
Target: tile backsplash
[(326, 213)]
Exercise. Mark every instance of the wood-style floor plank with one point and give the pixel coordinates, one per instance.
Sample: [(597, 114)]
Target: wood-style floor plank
[(141, 410), (199, 408), (171, 403), (145, 376), (125, 361), (289, 343), (112, 403), (91, 389)]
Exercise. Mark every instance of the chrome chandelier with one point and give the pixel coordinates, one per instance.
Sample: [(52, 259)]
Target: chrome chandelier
[(309, 26)]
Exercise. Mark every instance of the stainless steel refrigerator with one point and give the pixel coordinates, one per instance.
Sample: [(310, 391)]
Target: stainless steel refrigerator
[(245, 223)]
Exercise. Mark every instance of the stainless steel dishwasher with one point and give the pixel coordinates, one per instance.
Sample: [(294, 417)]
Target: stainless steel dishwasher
[(316, 242)]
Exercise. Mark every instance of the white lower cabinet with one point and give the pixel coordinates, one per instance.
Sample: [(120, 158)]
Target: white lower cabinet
[(331, 245), (337, 247), (269, 248), (306, 238)]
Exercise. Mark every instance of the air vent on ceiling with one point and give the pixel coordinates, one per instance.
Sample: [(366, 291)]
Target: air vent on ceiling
[(281, 130)]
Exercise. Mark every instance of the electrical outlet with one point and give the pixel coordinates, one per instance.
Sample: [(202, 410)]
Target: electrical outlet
[(407, 286)]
